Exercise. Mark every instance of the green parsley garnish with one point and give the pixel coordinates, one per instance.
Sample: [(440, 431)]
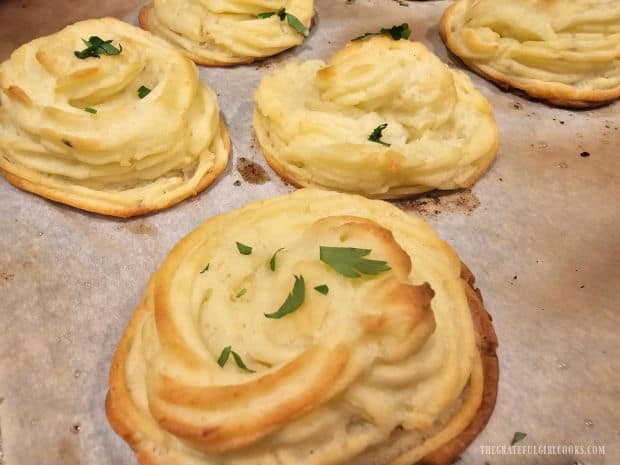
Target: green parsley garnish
[(206, 268), (95, 46), (349, 262), (90, 110), (297, 24), (240, 363), (397, 32), (292, 20), (323, 289), (241, 293), (377, 134), (143, 91), (272, 262), (244, 249), (293, 301), (224, 358), (281, 13), (518, 436)]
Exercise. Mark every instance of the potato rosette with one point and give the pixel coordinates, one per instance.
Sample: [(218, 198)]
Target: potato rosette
[(566, 52), (229, 32), (384, 118), (108, 118), (311, 329)]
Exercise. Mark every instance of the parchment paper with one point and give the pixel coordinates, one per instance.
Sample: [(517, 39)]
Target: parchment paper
[(540, 231)]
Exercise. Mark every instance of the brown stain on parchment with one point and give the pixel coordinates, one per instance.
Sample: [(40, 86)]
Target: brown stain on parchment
[(251, 171), (1, 449), (39, 281), (140, 227), (68, 454), (19, 265), (434, 203)]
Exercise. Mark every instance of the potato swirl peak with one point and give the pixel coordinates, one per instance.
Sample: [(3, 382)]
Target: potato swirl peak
[(227, 32), (391, 349), (567, 52), (85, 132), (316, 122)]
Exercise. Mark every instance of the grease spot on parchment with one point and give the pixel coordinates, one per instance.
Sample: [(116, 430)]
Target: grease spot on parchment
[(437, 202), (1, 449), (67, 452), (142, 227), (251, 171), (65, 337)]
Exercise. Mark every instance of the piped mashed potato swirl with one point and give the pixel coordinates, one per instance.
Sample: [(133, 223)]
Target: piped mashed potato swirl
[(124, 155), (226, 32), (313, 121), (383, 368), (567, 52)]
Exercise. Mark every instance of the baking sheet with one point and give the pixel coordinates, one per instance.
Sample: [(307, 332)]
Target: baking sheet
[(540, 231)]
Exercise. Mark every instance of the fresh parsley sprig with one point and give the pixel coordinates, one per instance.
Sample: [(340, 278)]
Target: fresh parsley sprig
[(517, 437), (293, 301), (221, 361), (396, 32), (96, 46), (350, 262), (272, 262), (281, 13), (323, 289), (143, 91), (244, 249), (292, 20), (377, 134)]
